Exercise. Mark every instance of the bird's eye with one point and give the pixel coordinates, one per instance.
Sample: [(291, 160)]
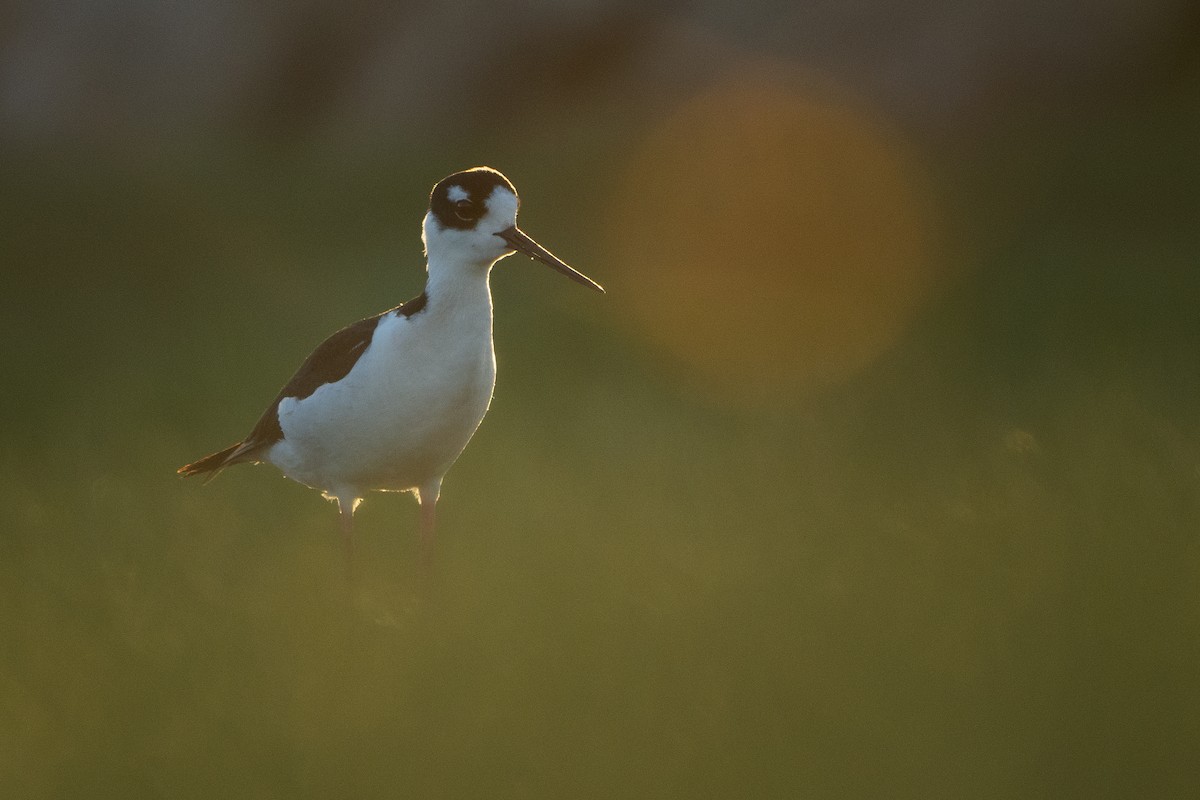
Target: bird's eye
[(466, 210)]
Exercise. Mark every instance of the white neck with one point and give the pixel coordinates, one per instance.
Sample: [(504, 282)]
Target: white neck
[(459, 301), (455, 279)]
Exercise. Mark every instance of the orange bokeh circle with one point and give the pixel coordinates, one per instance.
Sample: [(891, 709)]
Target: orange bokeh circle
[(772, 238)]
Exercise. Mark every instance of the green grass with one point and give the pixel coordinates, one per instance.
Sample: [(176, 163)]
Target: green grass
[(970, 571)]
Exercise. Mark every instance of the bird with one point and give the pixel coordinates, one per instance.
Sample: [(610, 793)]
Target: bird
[(390, 402)]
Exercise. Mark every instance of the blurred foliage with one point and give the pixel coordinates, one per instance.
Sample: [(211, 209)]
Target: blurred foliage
[(969, 569)]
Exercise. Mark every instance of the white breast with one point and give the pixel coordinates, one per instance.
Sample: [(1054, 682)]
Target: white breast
[(407, 408)]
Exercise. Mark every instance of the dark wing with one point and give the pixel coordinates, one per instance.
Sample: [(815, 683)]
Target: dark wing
[(329, 363)]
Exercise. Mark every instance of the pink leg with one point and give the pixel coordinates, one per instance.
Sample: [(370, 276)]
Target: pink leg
[(346, 516), (427, 496), (428, 523)]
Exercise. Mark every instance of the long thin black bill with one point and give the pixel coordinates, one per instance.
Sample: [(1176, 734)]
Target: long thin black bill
[(520, 241)]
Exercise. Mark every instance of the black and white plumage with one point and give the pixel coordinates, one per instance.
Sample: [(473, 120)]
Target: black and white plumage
[(388, 403)]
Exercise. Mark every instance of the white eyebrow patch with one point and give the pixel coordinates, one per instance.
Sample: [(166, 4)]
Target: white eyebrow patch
[(457, 193)]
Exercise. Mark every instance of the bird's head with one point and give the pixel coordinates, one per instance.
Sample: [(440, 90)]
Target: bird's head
[(472, 220)]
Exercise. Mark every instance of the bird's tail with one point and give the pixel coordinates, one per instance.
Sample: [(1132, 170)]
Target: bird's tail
[(212, 465)]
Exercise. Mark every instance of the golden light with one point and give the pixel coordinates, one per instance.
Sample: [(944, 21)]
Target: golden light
[(772, 238)]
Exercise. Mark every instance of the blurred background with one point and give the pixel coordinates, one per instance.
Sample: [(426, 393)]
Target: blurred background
[(875, 474)]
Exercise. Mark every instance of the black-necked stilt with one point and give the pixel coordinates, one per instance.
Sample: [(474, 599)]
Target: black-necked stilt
[(389, 402)]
